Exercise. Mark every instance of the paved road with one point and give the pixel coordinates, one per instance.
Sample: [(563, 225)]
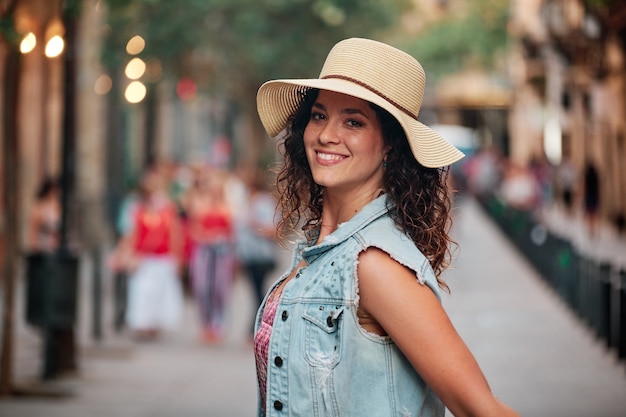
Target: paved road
[(535, 353)]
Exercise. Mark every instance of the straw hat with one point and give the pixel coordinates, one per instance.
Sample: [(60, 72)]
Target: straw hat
[(371, 71)]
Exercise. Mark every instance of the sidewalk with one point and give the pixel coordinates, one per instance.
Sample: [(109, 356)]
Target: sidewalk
[(177, 375), (535, 353)]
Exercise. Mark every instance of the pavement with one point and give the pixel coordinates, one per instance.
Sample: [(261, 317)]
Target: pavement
[(536, 354)]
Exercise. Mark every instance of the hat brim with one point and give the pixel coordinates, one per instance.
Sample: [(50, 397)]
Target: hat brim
[(277, 100)]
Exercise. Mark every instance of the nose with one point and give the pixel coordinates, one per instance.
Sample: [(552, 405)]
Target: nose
[(328, 133)]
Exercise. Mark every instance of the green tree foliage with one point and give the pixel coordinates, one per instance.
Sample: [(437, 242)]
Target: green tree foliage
[(474, 36), (241, 43), (602, 3), (8, 33)]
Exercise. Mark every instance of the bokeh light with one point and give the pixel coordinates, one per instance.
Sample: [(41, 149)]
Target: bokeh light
[(55, 46), (28, 43), (135, 68), (103, 85), (135, 92), (154, 70), (135, 45), (552, 140)]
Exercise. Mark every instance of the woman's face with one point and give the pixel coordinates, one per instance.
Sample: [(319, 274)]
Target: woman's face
[(344, 144)]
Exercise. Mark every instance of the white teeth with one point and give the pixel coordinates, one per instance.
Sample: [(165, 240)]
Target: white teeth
[(329, 157)]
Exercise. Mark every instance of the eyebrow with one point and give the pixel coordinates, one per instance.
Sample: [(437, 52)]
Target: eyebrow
[(320, 106)]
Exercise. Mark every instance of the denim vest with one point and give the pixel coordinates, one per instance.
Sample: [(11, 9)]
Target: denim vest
[(321, 361)]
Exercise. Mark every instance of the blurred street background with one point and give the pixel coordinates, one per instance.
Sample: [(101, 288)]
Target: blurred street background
[(105, 101), (537, 355)]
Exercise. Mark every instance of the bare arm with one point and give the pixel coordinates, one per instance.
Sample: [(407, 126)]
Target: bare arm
[(413, 317)]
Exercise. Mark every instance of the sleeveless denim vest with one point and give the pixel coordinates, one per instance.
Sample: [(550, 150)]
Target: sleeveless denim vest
[(321, 361)]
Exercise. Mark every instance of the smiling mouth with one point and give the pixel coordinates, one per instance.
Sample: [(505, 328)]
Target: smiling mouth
[(329, 157)]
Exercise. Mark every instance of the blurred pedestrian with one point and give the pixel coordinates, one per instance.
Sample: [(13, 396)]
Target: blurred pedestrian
[(42, 262), (120, 260), (355, 327), (541, 170), (591, 198), (212, 261), (566, 180), (519, 188), (484, 171), (152, 255), (44, 223), (256, 236)]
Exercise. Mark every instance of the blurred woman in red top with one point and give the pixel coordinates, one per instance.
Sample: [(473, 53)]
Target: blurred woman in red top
[(212, 263), (154, 290)]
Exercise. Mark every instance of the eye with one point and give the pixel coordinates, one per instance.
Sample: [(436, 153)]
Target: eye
[(317, 116), (354, 123)]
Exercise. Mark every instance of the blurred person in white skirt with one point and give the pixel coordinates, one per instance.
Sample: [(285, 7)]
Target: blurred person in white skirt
[(151, 253)]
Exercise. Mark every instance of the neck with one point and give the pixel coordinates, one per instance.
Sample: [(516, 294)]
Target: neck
[(337, 209)]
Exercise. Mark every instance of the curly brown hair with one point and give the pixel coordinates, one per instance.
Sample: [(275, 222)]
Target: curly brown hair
[(418, 197)]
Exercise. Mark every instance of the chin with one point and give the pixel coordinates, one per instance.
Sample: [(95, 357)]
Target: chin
[(325, 182)]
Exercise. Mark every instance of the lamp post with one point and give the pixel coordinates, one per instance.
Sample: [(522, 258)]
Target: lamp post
[(11, 201), (60, 344), (52, 278)]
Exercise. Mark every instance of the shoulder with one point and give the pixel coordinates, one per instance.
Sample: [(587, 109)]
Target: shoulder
[(395, 248), (384, 234)]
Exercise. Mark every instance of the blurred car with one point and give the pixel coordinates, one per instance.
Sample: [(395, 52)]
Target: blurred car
[(467, 141), (464, 138)]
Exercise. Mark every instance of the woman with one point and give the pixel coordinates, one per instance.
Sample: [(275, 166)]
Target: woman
[(356, 327), (153, 251), (212, 261)]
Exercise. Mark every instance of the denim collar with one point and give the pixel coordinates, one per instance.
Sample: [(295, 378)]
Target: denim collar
[(369, 213)]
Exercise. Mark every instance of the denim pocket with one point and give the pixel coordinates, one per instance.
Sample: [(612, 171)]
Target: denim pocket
[(322, 334)]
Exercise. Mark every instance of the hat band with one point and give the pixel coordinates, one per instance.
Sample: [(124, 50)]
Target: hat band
[(373, 90)]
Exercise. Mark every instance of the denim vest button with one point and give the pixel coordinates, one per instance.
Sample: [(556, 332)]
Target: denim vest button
[(278, 405), (284, 315), (278, 361)]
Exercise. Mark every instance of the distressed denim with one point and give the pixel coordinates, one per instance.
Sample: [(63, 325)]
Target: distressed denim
[(321, 361)]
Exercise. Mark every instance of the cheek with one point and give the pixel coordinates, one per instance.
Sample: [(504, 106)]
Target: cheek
[(308, 142), (308, 136), (373, 149)]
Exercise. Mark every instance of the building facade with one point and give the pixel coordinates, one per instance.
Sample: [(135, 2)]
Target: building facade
[(38, 103), (567, 68)]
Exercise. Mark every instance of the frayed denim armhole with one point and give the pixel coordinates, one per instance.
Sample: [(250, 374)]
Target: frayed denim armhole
[(402, 251)]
